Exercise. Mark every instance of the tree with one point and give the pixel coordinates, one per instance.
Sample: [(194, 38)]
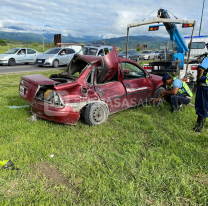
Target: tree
[(35, 44), (3, 43), (138, 49)]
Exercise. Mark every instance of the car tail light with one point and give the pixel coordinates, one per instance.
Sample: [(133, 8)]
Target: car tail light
[(193, 67), (147, 67)]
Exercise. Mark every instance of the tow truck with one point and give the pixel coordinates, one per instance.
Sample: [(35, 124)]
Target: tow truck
[(174, 61)]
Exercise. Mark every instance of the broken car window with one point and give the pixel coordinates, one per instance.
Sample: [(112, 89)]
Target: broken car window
[(131, 71), (75, 68)]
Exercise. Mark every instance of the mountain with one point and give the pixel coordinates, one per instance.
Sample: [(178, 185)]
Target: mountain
[(152, 42)]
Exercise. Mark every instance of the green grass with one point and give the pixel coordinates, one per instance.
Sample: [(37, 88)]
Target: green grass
[(140, 156), (39, 48)]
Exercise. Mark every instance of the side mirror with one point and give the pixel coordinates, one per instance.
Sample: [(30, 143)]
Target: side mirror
[(147, 75)]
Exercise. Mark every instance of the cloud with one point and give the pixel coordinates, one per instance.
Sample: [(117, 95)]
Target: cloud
[(93, 18)]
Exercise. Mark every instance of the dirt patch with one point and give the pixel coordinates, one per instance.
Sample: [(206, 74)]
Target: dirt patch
[(202, 179), (52, 173)]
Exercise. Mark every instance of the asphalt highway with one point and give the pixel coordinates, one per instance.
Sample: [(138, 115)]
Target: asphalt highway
[(25, 68), (28, 68)]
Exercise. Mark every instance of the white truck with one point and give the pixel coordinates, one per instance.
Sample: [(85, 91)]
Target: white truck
[(199, 46)]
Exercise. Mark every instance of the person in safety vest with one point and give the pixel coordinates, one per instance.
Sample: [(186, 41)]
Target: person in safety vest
[(201, 101), (177, 93)]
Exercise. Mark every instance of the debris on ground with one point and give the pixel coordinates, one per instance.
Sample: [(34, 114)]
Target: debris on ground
[(191, 105), (52, 155), (7, 164), (32, 119), (17, 107)]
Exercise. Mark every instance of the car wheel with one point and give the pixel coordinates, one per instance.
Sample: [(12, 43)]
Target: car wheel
[(157, 94), (27, 63), (55, 63), (129, 58), (148, 57), (153, 58), (11, 62), (40, 65), (137, 59), (95, 113)]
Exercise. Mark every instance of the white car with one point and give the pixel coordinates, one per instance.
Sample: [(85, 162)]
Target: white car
[(147, 54), (18, 55), (55, 57)]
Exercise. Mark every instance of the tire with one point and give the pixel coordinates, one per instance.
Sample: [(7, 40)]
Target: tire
[(55, 63), (95, 113), (129, 58), (11, 62), (148, 57), (40, 65), (157, 94), (137, 59), (27, 63)]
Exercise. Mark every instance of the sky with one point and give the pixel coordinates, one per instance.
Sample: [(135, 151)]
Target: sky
[(106, 18)]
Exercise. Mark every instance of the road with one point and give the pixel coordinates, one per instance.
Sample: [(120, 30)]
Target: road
[(24, 68), (30, 67)]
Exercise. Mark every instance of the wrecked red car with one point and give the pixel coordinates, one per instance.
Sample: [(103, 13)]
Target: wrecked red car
[(92, 86)]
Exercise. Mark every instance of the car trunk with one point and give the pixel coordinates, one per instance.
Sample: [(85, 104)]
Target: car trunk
[(30, 84)]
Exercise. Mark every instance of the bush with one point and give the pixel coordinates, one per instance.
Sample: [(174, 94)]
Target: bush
[(3, 43), (35, 44), (138, 49)]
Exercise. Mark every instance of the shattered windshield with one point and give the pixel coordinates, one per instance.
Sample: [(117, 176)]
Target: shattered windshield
[(88, 51), (12, 51), (52, 51)]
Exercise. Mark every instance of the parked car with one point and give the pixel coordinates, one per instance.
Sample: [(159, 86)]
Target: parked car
[(95, 49), (147, 54), (132, 54), (92, 86), (18, 55), (55, 57), (161, 55), (156, 54)]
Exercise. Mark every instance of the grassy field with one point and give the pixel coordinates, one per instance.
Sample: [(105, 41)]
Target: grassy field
[(141, 156), (39, 48)]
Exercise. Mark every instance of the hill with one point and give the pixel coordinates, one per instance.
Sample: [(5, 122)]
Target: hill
[(152, 42)]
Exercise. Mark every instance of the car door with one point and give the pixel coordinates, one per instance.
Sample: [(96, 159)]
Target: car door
[(31, 55), (135, 55), (62, 57), (113, 92), (70, 54), (20, 57), (138, 87)]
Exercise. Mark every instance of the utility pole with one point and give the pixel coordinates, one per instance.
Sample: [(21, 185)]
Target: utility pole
[(43, 39), (201, 18)]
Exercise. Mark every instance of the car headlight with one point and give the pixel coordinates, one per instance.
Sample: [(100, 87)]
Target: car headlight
[(2, 58), (50, 57)]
